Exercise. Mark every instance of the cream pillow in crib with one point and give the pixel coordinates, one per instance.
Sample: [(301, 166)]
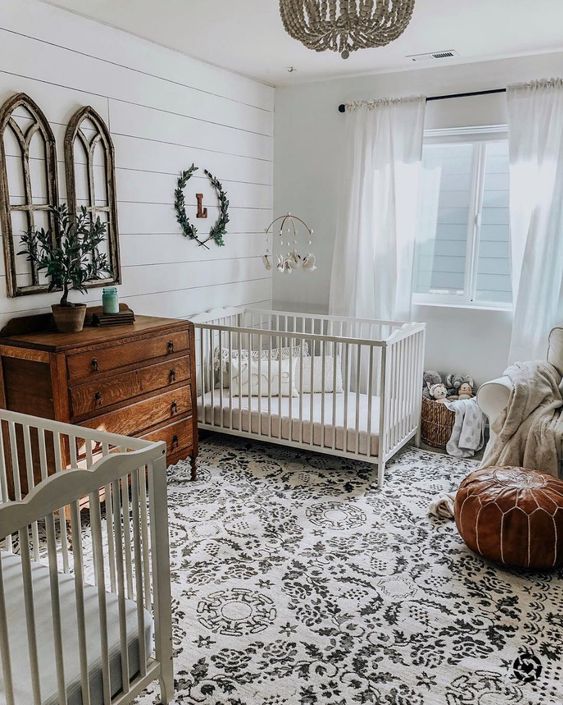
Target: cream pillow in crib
[(223, 355), (274, 378), (319, 384)]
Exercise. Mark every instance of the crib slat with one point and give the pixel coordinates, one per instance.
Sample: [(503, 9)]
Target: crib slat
[(300, 390), (311, 395), (358, 389), (346, 383), (117, 505), (109, 525), (4, 642), (334, 424), (101, 585), (138, 573), (4, 482), (370, 401), (222, 423), (290, 392), (127, 535), (142, 476), (15, 461), (383, 424), (211, 380), (30, 614), (79, 596), (30, 485), (230, 363), (62, 518), (56, 607), (260, 367), (240, 425)]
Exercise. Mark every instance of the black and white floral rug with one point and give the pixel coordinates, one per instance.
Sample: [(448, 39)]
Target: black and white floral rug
[(297, 582)]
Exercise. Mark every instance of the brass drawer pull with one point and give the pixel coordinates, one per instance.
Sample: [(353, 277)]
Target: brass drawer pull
[(170, 347), (175, 442), (172, 377), (98, 398), (94, 365), (173, 408)]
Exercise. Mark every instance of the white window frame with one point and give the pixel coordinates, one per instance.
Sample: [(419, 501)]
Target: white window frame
[(468, 135)]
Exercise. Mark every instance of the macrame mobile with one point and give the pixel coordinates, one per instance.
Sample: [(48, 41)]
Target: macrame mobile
[(290, 233)]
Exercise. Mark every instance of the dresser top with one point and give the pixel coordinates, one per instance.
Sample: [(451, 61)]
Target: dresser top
[(51, 341)]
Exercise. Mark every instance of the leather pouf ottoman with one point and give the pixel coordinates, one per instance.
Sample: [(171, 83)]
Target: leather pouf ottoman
[(512, 516)]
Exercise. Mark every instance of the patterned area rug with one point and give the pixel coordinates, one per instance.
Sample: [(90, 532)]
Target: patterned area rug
[(297, 582)]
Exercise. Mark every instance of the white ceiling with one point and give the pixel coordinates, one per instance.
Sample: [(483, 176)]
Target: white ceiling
[(247, 35)]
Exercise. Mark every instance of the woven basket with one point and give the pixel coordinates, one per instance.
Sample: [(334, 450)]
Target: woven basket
[(436, 424)]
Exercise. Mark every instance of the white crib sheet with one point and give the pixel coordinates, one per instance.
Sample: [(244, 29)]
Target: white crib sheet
[(17, 633), (213, 412)]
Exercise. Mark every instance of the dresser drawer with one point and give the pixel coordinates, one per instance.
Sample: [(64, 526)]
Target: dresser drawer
[(90, 364), (91, 397), (178, 436), (140, 416)]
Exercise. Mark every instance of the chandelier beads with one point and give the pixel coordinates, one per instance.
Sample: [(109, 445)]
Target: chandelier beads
[(344, 26)]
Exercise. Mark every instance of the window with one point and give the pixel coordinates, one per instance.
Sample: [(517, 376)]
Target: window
[(463, 241)]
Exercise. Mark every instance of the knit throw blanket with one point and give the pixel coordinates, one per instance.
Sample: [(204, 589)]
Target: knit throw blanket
[(529, 432)]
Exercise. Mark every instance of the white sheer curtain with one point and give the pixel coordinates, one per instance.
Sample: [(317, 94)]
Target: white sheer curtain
[(535, 120), (372, 269)]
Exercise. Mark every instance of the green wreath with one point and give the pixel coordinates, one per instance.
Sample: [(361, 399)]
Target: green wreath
[(219, 229)]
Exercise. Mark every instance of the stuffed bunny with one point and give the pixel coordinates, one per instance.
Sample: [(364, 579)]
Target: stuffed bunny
[(429, 378), (455, 382), (465, 391), (438, 392)]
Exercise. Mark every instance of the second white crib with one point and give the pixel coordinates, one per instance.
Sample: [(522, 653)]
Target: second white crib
[(353, 386)]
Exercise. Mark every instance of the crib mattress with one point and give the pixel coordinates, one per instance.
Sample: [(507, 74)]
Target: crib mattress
[(254, 417), (17, 633)]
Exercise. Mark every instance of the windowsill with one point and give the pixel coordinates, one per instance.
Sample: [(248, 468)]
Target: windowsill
[(470, 307)]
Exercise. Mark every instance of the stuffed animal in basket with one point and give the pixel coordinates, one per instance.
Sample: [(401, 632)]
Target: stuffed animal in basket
[(429, 378), (460, 386), (438, 392)]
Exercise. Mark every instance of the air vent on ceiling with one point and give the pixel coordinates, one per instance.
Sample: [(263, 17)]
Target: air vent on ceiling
[(434, 55)]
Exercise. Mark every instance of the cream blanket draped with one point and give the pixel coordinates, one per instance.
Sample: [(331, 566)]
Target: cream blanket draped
[(528, 433)]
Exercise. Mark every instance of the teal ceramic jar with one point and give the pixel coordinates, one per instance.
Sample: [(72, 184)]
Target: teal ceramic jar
[(110, 302)]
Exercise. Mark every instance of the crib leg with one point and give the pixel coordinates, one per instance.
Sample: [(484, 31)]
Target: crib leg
[(380, 474), (166, 688), (417, 438)]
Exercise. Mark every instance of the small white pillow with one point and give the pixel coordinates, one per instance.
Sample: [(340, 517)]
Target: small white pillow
[(317, 362), (245, 375), (223, 355)]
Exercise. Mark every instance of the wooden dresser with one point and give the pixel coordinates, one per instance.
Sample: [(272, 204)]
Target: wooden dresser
[(135, 380)]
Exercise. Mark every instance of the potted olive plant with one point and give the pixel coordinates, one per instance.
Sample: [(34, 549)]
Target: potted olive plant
[(69, 260)]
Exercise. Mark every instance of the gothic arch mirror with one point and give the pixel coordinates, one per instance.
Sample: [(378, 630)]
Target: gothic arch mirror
[(90, 180), (28, 187)]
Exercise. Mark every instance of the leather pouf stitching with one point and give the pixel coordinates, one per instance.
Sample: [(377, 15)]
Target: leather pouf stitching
[(512, 516)]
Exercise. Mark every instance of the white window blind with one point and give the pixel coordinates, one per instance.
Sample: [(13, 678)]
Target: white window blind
[(463, 246)]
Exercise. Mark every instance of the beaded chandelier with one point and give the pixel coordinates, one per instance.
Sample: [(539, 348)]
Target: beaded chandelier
[(345, 25)]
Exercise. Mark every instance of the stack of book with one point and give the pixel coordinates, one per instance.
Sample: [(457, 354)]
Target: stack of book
[(99, 318)]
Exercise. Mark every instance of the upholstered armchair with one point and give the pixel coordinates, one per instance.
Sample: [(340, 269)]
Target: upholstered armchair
[(493, 396)]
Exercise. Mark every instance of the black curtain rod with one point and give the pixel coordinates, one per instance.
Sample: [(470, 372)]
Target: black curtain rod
[(342, 106)]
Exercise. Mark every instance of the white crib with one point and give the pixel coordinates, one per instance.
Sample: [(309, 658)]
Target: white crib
[(352, 386), (85, 614)]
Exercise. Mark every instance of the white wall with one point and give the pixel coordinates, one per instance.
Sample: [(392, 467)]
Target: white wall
[(164, 111), (308, 147)]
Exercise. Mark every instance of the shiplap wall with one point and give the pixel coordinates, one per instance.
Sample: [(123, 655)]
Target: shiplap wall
[(164, 111)]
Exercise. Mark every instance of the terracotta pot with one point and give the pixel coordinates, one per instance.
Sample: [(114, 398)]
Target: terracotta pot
[(69, 319)]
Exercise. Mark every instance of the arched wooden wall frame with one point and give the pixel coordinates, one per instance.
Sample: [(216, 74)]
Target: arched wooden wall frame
[(28, 207), (74, 132)]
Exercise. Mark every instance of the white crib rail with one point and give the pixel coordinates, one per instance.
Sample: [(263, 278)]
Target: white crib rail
[(120, 546), (380, 363)]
